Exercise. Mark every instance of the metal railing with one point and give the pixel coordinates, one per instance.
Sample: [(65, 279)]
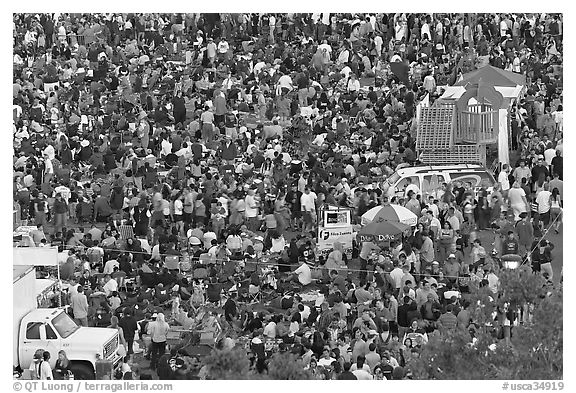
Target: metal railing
[(477, 125), (75, 38)]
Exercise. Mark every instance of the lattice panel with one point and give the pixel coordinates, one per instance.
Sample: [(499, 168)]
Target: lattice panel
[(459, 154), (435, 129)]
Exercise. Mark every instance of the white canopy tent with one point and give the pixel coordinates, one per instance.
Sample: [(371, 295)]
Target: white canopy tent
[(455, 92)]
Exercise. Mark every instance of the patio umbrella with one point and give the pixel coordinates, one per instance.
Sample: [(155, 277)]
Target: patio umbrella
[(393, 213), (383, 231)]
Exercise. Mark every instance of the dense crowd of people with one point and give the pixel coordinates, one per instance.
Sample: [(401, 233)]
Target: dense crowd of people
[(179, 162)]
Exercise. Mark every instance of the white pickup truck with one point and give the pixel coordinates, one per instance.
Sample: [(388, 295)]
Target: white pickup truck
[(52, 330)]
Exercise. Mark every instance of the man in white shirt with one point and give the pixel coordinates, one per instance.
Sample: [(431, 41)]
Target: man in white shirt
[(50, 152), (343, 58), (362, 375), (350, 171), (308, 204), (396, 274), (503, 179), (252, 210), (166, 147), (64, 191), (325, 45), (303, 274), (270, 329), (223, 46), (110, 286), (557, 183), (79, 304), (353, 84), (96, 233), (145, 245), (411, 187), (517, 199), (110, 265), (207, 239), (503, 28), (453, 219), (425, 29), (544, 203), (185, 151), (326, 360), (224, 200), (549, 154), (38, 234), (435, 224), (285, 81), (493, 281), (48, 168), (522, 172), (272, 26)]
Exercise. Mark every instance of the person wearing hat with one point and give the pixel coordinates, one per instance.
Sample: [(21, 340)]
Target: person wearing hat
[(40, 366), (451, 268)]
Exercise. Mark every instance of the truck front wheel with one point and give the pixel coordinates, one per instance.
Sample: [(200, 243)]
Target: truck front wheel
[(82, 371)]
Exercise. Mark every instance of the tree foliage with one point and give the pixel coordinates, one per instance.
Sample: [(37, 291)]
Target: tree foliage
[(536, 347), (228, 364), (539, 346), (521, 286), (234, 364), (287, 366)]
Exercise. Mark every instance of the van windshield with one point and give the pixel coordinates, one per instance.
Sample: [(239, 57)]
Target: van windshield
[(64, 325), (394, 178)]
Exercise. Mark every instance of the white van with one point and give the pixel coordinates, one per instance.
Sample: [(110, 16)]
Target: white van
[(423, 177)]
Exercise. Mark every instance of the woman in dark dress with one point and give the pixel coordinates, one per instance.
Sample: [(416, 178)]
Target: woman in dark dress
[(62, 366)]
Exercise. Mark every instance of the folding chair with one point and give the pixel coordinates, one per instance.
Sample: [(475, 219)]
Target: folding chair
[(185, 266), (214, 293), (94, 257), (243, 289), (120, 277), (254, 294), (251, 265), (205, 259), (200, 273), (172, 262)]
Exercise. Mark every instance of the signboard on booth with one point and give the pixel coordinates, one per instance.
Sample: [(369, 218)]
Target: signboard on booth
[(336, 218), (328, 236), (377, 238)]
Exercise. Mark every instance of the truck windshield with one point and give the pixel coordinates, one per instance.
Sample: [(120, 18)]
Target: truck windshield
[(393, 179), (64, 325)]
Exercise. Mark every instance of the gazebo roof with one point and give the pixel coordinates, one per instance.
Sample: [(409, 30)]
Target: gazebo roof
[(493, 76)]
